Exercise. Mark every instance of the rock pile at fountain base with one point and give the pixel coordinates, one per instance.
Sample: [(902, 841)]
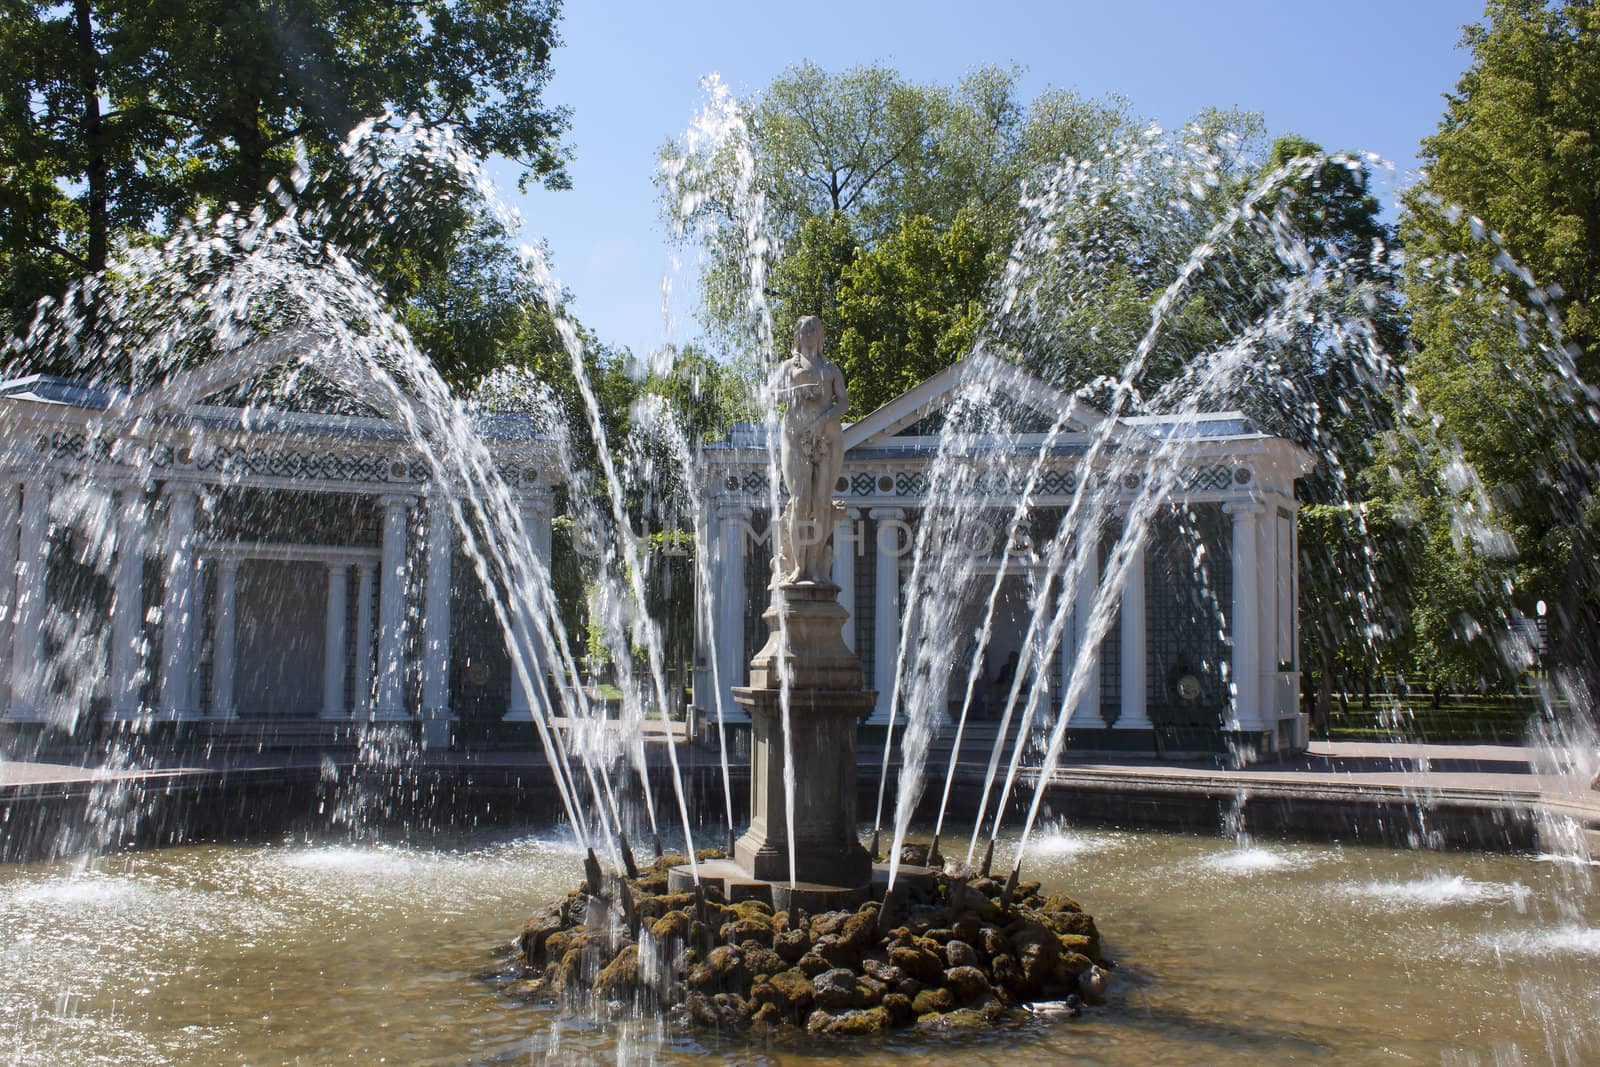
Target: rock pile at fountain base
[(953, 956)]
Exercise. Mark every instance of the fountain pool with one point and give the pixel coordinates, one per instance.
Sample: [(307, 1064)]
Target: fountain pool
[(328, 951)]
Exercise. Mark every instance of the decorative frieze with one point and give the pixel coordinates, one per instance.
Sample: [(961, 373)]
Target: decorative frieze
[(914, 482)]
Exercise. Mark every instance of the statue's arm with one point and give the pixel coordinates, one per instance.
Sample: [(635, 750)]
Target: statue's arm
[(841, 398)]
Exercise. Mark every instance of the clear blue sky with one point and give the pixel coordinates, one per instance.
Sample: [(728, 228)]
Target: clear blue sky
[(1364, 75)]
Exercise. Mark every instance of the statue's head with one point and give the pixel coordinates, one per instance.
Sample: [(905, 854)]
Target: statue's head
[(808, 335)]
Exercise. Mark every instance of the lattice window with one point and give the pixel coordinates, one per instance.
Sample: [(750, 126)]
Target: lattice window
[(1188, 583), (757, 578), (1111, 647), (866, 605)]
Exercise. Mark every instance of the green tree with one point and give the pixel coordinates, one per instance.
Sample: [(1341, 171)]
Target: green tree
[(841, 160), (909, 307), (122, 119), (1513, 173)]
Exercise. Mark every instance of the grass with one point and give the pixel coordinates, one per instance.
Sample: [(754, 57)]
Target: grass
[(1414, 718)]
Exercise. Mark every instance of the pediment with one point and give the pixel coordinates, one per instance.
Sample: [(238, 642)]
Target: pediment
[(918, 410)]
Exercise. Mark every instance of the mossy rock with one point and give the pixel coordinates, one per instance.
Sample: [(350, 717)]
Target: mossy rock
[(961, 1020), (1037, 950), (673, 926), (837, 953), (836, 989), (791, 992), (870, 991), (619, 978), (883, 971), (1087, 946), (651, 883), (925, 964), (722, 1011), (933, 1000), (992, 942), (538, 930), (760, 959), (958, 953), (812, 964), (853, 1023), (1007, 972), (679, 901), (900, 1008), (950, 966), (859, 933), (1070, 922), (791, 945), (1060, 902), (756, 929), (828, 923), (723, 970), (1070, 966), (966, 984), (753, 909)]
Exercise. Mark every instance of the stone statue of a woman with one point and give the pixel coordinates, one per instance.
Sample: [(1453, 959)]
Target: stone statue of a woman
[(810, 453)]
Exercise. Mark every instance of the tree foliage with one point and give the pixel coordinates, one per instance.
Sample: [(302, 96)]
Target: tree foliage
[(1503, 231), (119, 120), (867, 182)]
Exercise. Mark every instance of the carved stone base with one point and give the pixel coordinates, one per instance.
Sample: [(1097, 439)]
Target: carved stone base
[(826, 702), (816, 655)]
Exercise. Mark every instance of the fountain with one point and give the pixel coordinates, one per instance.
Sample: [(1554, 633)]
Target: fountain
[(786, 931), (805, 694), (794, 924)]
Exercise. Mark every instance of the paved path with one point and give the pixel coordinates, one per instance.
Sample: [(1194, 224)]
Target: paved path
[(1517, 772)]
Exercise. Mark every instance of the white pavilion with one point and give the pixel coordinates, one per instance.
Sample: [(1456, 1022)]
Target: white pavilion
[(285, 576), (276, 575), (1169, 677)]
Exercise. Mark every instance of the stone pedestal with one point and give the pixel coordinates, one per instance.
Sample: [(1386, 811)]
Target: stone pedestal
[(826, 701)]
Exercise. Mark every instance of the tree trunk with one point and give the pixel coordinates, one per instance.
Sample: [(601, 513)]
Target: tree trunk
[(1574, 633), (97, 168), (1324, 705)]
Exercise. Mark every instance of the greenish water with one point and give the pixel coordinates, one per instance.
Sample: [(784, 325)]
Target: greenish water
[(321, 953)]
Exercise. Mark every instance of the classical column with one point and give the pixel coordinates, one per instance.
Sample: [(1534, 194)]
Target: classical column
[(1088, 587), (1243, 631), (734, 521), (333, 636), (127, 604), (194, 696), (10, 523), (224, 637), (845, 547), (390, 702), (890, 522), (535, 510), (179, 604), (436, 626), (363, 642), (1135, 711), (27, 650)]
